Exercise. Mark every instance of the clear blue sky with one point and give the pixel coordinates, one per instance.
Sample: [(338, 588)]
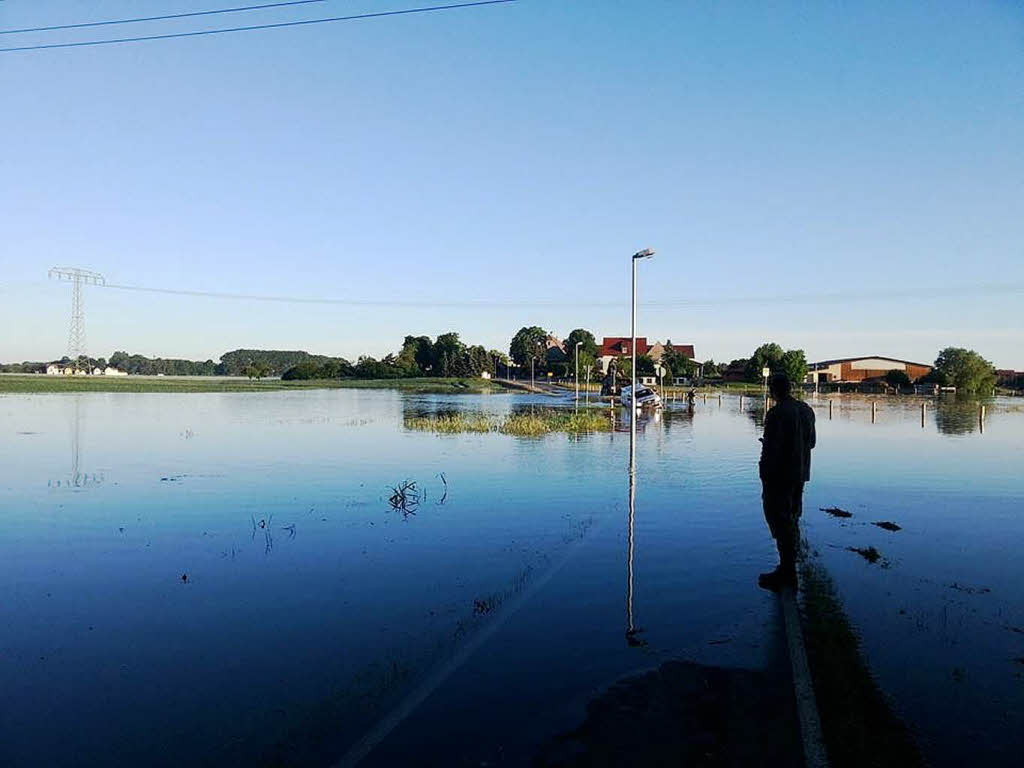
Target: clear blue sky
[(515, 153)]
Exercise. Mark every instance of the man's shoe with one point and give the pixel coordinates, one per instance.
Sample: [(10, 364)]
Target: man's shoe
[(777, 579)]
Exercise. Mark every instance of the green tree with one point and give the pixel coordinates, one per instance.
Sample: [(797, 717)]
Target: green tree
[(645, 365), (966, 370), (587, 352), (477, 360), (301, 372), (416, 355), (447, 354), (712, 369), (275, 361), (624, 367), (676, 363), (897, 378), (255, 370), (768, 355), (793, 363), (587, 347), (498, 362), (529, 343)]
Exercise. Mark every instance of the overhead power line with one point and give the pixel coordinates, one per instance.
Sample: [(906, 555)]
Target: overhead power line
[(986, 289), (165, 17), (256, 27)]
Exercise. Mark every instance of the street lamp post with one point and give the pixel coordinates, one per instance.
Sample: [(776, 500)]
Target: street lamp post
[(646, 253), (630, 629), (577, 376)]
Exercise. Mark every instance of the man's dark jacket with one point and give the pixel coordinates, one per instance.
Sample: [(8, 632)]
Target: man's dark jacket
[(788, 440)]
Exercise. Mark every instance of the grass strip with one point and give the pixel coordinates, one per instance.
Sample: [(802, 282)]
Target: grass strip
[(41, 384)]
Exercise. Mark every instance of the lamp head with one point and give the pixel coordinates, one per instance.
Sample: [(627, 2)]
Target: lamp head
[(646, 253)]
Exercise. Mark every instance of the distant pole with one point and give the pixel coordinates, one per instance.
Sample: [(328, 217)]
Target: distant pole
[(587, 393), (873, 404), (923, 407), (532, 382), (830, 409)]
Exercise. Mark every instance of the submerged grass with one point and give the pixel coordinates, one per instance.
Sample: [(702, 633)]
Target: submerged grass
[(453, 423), (860, 727), (532, 424)]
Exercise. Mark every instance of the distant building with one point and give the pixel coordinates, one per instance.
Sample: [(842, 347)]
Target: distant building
[(619, 346), (1009, 378), (56, 369), (555, 350), (735, 371), (658, 349), (858, 369)]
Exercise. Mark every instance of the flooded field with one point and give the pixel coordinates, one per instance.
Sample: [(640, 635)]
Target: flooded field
[(297, 578)]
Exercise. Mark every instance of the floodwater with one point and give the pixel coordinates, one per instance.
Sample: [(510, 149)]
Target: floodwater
[(220, 579)]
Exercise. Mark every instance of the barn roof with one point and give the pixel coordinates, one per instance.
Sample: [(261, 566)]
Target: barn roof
[(870, 357)]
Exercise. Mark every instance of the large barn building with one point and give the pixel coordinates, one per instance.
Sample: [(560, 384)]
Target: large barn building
[(857, 369)]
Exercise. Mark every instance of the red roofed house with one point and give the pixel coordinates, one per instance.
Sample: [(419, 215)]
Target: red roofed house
[(619, 346), (656, 351)]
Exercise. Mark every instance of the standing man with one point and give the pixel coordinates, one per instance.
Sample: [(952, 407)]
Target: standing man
[(785, 466)]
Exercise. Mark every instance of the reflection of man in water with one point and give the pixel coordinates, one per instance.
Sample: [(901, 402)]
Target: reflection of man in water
[(785, 466)]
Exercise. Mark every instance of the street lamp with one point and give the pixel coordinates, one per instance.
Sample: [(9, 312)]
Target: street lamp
[(646, 253), (577, 377)]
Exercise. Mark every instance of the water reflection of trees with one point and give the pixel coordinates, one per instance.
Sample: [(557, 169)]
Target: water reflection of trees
[(756, 412), (953, 416), (956, 417)]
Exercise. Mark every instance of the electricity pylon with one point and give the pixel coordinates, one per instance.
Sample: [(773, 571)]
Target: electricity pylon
[(77, 277)]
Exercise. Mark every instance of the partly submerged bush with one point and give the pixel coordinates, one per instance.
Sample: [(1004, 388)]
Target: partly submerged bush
[(451, 423), (531, 424)]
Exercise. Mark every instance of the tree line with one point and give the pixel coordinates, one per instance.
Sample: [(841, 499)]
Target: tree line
[(529, 349), (957, 367), (448, 356)]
